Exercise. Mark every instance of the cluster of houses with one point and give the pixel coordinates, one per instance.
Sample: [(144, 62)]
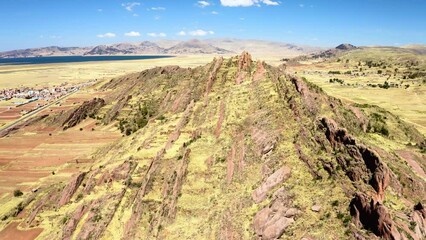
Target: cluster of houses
[(31, 94)]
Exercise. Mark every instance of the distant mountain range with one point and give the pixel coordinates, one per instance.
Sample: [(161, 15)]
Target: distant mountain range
[(173, 47)]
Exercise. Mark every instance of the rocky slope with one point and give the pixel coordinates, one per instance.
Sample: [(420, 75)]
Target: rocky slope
[(236, 149)]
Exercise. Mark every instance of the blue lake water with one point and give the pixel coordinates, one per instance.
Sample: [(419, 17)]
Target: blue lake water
[(72, 59)]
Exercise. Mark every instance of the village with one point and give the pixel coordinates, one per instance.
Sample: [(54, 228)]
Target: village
[(18, 102), (24, 95)]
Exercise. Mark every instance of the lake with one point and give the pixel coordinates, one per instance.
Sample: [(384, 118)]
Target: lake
[(72, 59)]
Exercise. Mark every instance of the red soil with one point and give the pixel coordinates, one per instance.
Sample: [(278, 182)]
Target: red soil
[(33, 152), (11, 232)]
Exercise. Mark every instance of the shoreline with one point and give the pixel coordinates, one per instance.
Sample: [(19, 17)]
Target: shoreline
[(35, 60)]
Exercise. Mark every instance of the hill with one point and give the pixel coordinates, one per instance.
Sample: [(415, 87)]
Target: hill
[(393, 78), (235, 149), (194, 46), (46, 51), (145, 47)]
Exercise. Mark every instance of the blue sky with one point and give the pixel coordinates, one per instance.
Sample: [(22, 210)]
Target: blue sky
[(37, 23)]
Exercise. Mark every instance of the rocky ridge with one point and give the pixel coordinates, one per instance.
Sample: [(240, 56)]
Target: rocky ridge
[(236, 149)]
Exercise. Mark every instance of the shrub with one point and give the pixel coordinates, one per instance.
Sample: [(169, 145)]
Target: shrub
[(65, 219), (17, 193), (384, 131), (79, 196)]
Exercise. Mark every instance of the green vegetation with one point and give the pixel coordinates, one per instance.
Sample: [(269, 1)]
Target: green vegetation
[(17, 193)]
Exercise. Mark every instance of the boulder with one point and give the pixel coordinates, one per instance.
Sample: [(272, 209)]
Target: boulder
[(273, 180)]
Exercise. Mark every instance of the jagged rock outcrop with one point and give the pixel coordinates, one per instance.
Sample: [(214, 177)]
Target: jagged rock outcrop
[(88, 108), (244, 62), (244, 67), (418, 221), (73, 221), (276, 178), (373, 216), (272, 221), (70, 189), (379, 172)]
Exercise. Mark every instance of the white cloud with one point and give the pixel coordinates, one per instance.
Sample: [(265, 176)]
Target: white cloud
[(270, 3), (135, 15), (214, 13), (247, 3), (157, 34), (302, 5), (106, 35), (100, 10), (203, 4), (200, 32), (158, 8), (130, 5), (181, 33), (132, 34)]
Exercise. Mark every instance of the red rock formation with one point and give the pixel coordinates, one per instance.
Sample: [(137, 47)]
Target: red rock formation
[(273, 180), (183, 121), (213, 73), (87, 108), (260, 71), (309, 97), (138, 204), (244, 66), (272, 221), (230, 165), (101, 212), (122, 171), (235, 157), (72, 223), (220, 120), (381, 174), (418, 219), (70, 189), (373, 216)]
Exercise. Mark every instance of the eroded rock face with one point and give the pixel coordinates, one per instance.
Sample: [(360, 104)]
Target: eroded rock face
[(377, 169), (70, 189), (276, 178), (244, 66), (336, 135), (373, 216), (72, 223), (86, 109), (272, 221), (418, 219), (244, 62)]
